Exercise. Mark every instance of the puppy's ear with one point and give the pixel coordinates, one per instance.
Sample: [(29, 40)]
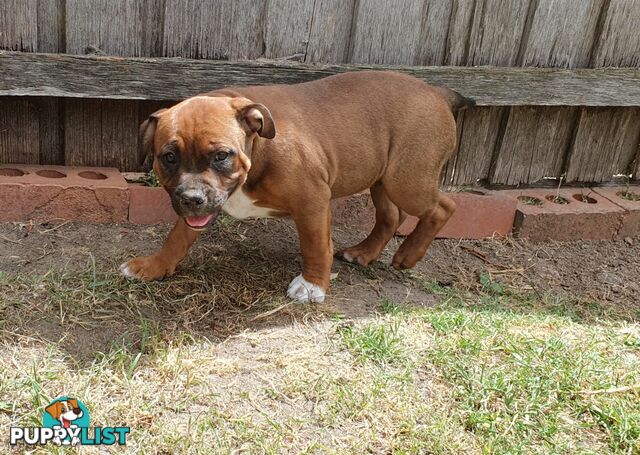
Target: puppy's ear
[(256, 118), (146, 135), (55, 409), (73, 403)]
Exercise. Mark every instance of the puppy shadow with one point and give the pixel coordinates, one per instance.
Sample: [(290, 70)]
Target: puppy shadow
[(233, 281)]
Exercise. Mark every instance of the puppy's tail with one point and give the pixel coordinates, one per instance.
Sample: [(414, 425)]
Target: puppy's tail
[(456, 101)]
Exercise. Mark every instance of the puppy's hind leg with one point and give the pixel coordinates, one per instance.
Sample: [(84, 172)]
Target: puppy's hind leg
[(388, 218), (416, 244)]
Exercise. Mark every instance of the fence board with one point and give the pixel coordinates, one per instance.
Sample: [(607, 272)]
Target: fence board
[(534, 144), (612, 137), (560, 34), (617, 45), (19, 138), (286, 28), (19, 25), (496, 29), (213, 29), (50, 135), (330, 31), (434, 29), (20, 120), (386, 32), (28, 74), (105, 133), (49, 23), (50, 39)]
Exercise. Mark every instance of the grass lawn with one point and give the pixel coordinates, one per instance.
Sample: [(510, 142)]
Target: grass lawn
[(475, 369)]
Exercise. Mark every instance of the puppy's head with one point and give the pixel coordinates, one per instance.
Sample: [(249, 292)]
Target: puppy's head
[(200, 150), (65, 411)]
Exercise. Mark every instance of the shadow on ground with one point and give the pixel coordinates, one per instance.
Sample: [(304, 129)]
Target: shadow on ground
[(60, 282)]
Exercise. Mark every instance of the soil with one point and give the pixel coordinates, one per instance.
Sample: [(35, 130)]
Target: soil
[(608, 270), (239, 271)]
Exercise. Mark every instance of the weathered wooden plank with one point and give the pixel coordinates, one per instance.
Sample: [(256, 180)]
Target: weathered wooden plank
[(50, 130), (287, 27), (472, 162), (386, 32), (152, 13), (534, 144), (119, 138), (28, 74), (612, 137), (101, 133), (536, 140), (97, 132), (19, 25), (491, 31), (330, 31), (19, 141), (113, 26), (19, 119), (434, 29), (50, 24), (562, 33), (617, 45), (213, 29), (496, 32), (83, 132), (50, 39)]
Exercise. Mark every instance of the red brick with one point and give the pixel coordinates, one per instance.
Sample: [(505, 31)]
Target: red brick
[(631, 221), (478, 215), (150, 205), (571, 221), (44, 193)]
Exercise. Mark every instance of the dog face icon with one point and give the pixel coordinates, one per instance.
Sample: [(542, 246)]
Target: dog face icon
[(66, 411)]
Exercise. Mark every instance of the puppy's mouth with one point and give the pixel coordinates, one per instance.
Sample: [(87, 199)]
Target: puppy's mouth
[(66, 423), (200, 222)]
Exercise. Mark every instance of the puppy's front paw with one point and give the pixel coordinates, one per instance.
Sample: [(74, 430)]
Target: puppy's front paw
[(147, 268), (304, 291)]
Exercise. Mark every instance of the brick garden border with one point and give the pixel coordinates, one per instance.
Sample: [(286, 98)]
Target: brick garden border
[(102, 195)]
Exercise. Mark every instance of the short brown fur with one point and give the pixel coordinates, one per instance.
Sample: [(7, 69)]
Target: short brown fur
[(333, 137)]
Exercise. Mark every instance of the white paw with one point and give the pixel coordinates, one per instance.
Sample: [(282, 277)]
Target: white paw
[(124, 269), (303, 291), (347, 257)]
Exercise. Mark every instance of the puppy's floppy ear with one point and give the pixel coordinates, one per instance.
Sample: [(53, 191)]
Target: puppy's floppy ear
[(55, 409), (255, 118), (146, 135), (73, 403)]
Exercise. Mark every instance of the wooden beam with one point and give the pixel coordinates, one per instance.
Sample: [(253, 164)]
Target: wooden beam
[(34, 74)]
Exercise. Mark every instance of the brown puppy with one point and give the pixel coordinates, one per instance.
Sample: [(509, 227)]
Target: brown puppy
[(336, 136)]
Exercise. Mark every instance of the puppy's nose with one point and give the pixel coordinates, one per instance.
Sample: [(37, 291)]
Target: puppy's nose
[(192, 198)]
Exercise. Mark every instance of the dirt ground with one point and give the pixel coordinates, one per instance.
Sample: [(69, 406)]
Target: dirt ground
[(65, 308), (599, 270)]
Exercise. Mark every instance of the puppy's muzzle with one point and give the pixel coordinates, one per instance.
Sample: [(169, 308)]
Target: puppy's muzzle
[(192, 199)]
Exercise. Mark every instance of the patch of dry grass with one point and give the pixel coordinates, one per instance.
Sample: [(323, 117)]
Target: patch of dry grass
[(215, 361)]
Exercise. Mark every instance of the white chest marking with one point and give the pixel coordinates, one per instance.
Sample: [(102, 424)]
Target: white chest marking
[(240, 206)]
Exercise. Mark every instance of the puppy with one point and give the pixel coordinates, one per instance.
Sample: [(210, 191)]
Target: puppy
[(383, 131)]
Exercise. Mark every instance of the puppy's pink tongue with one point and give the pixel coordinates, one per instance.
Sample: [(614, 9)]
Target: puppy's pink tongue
[(198, 221)]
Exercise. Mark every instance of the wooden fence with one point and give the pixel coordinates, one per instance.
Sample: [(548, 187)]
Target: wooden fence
[(581, 120)]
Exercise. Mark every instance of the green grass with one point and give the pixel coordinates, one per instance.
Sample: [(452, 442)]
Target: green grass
[(375, 341), (488, 369)]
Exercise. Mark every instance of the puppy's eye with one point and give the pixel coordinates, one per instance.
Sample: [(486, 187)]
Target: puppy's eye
[(169, 157), (222, 155)]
